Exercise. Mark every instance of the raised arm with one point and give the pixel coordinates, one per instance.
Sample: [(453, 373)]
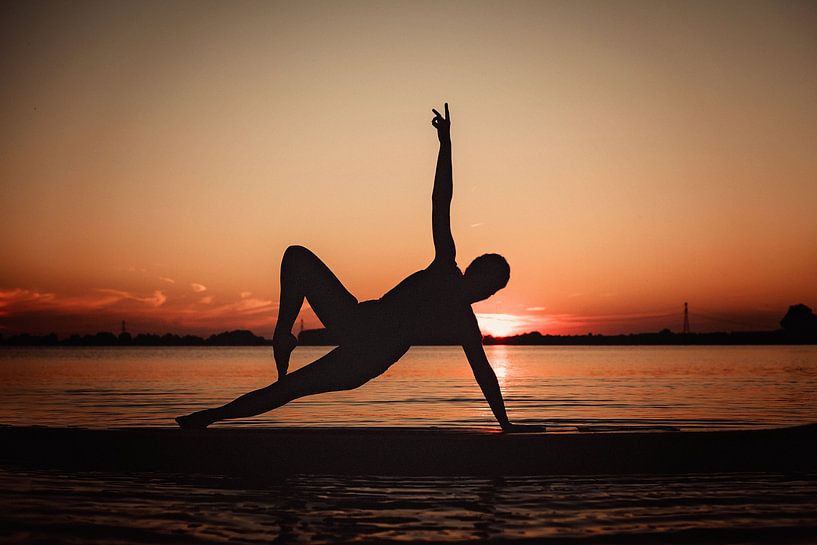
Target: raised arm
[(444, 249)]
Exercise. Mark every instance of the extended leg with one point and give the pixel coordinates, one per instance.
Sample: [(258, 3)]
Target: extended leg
[(305, 276), (340, 369)]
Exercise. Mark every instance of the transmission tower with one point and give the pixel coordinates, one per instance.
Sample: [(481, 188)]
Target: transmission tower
[(686, 318)]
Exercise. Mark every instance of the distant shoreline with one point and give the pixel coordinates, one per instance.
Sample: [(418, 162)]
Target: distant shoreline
[(322, 337)]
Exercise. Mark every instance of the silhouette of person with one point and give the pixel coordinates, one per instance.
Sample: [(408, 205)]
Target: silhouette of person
[(435, 301)]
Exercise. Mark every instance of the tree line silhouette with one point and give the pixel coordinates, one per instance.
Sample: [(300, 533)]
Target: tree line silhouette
[(798, 326), (238, 337)]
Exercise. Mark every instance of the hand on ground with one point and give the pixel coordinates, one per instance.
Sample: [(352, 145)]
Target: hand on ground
[(523, 428)]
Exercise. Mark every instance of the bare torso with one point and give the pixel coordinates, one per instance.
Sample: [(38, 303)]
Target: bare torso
[(427, 307)]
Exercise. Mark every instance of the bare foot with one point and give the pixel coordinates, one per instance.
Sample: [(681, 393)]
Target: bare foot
[(282, 346), (195, 421)]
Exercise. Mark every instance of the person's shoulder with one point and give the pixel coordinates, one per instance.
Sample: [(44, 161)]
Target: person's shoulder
[(444, 266)]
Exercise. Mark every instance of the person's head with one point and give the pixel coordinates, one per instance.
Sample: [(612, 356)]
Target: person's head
[(485, 276)]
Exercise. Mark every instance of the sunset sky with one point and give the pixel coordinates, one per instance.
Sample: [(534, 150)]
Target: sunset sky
[(157, 158)]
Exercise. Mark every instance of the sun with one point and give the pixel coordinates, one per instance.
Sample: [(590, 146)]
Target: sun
[(500, 325)]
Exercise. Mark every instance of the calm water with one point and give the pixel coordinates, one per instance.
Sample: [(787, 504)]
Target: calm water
[(49, 507), (564, 387)]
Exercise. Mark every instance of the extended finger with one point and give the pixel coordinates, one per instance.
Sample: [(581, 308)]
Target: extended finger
[(446, 111), (436, 113)]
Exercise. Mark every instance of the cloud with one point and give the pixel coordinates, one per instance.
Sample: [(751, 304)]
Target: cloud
[(252, 305), (159, 298), (102, 309), (25, 300), (536, 309), (11, 300), (478, 224), (8, 297), (156, 300), (198, 288), (166, 279), (248, 313)]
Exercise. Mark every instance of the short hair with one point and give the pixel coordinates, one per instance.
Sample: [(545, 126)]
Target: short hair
[(491, 265)]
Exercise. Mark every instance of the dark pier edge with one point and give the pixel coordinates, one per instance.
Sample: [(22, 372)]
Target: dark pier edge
[(259, 453)]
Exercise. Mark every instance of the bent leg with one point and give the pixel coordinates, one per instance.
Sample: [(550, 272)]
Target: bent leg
[(305, 276), (341, 369)]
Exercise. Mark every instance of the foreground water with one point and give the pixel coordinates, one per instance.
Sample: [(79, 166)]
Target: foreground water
[(563, 387), (83, 508)]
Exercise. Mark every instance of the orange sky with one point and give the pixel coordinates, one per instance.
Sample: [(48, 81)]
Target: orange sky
[(157, 158)]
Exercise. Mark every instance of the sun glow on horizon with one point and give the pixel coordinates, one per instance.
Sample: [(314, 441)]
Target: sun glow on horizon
[(502, 325)]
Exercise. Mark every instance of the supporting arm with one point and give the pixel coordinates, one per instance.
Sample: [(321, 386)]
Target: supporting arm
[(488, 383)]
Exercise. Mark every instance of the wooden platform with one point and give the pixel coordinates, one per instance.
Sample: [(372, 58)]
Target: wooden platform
[(400, 451)]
